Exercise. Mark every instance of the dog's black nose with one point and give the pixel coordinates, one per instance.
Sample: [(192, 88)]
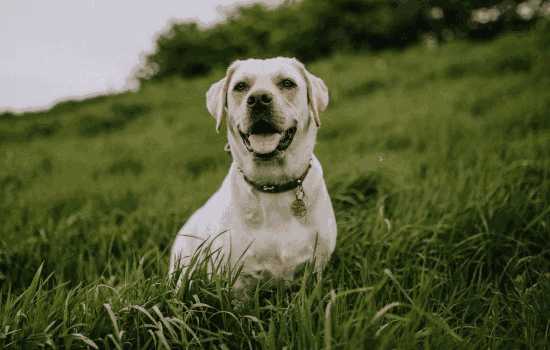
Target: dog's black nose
[(264, 98)]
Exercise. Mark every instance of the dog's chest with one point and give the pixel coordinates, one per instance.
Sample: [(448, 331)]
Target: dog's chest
[(274, 241), (278, 252)]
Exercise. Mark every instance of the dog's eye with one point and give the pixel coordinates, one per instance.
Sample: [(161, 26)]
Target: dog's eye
[(287, 83), (240, 86)]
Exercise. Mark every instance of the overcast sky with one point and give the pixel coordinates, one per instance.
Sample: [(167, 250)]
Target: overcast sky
[(51, 50)]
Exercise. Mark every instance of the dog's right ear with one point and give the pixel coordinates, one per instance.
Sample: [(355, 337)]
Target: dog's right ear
[(216, 101), (216, 97)]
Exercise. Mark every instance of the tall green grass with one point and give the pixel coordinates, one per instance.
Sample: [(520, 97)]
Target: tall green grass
[(437, 161)]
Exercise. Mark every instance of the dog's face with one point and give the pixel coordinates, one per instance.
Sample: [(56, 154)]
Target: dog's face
[(272, 109)]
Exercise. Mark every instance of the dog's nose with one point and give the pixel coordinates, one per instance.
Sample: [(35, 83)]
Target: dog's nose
[(265, 98)]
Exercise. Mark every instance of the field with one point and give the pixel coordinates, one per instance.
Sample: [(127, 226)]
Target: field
[(438, 163)]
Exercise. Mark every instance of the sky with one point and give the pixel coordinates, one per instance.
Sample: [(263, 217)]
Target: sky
[(53, 50)]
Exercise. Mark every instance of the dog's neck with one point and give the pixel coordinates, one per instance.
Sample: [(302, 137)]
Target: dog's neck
[(310, 175), (277, 188), (258, 206)]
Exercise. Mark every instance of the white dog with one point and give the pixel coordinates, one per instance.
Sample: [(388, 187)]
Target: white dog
[(272, 212)]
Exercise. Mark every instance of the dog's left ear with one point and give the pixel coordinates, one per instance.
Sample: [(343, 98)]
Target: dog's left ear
[(216, 96), (317, 92)]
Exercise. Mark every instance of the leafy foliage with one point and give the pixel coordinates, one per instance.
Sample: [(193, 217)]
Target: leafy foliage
[(311, 29)]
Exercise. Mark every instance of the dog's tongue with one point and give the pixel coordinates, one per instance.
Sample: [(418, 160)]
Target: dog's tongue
[(264, 143)]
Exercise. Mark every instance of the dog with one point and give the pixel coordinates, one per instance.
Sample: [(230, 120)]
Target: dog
[(272, 212)]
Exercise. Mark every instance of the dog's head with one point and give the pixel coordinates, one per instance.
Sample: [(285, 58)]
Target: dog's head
[(272, 108)]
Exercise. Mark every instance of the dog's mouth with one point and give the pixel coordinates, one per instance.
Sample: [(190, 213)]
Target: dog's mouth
[(265, 140)]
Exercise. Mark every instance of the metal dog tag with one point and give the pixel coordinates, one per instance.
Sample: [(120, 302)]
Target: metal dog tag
[(298, 206)]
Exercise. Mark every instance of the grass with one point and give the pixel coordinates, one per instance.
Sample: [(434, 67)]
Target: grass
[(438, 164)]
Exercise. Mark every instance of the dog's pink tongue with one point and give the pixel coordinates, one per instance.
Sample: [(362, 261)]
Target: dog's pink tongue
[(264, 143)]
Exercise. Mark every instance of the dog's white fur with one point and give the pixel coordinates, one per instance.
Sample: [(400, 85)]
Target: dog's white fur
[(256, 228)]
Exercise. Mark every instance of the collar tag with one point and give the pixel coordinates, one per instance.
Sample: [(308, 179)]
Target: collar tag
[(298, 206)]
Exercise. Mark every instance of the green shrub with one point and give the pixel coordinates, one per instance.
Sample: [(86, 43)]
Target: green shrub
[(311, 29)]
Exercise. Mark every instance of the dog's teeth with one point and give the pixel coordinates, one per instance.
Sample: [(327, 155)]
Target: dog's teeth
[(264, 143)]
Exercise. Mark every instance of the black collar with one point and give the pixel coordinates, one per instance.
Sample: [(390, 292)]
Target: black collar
[(279, 188)]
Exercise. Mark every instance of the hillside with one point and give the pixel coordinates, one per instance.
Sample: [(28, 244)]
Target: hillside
[(437, 160)]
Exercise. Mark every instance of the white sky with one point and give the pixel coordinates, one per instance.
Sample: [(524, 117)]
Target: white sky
[(52, 50)]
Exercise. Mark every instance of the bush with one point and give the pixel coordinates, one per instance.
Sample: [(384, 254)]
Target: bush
[(311, 29)]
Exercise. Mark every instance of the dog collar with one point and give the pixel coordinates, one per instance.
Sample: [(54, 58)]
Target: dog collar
[(279, 188)]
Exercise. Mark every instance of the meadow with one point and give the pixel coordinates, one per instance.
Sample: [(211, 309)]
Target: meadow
[(437, 159)]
